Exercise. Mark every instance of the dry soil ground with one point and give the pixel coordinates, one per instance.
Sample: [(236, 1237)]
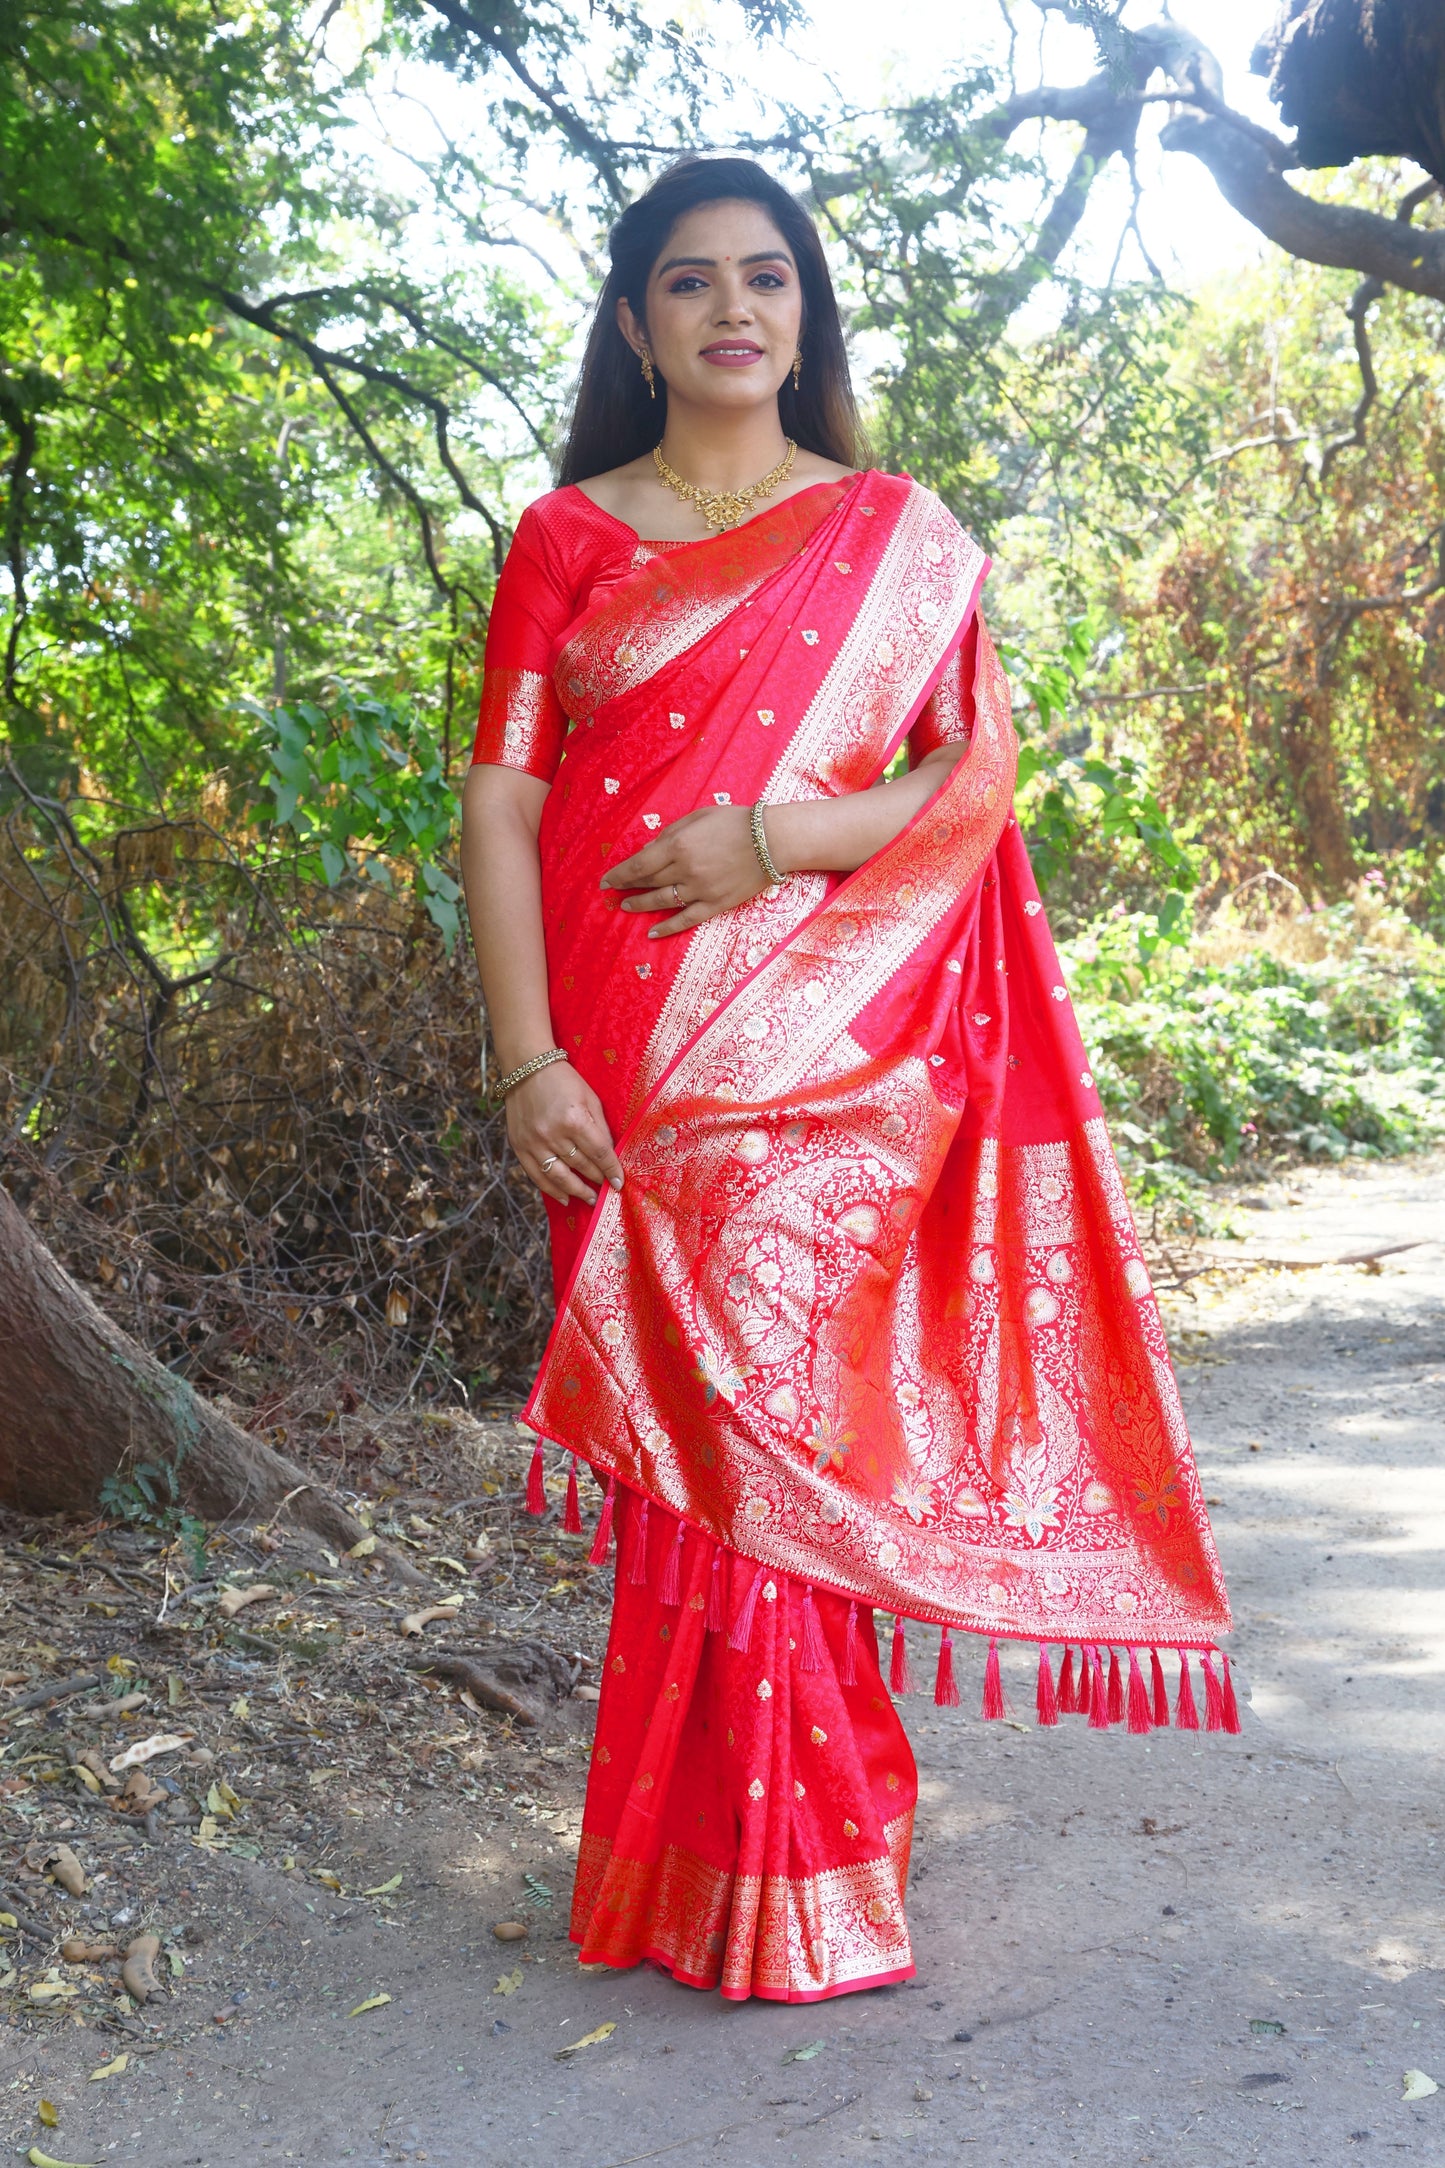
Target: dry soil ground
[(1189, 1950)]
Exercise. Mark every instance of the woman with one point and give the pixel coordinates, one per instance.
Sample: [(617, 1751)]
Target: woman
[(850, 1306)]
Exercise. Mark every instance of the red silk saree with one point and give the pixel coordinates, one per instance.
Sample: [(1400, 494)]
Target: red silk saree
[(868, 1325)]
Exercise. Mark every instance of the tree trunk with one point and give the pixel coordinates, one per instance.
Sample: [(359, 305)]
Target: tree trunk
[(80, 1401)]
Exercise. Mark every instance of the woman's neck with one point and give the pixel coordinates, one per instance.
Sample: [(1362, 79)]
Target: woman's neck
[(722, 451)]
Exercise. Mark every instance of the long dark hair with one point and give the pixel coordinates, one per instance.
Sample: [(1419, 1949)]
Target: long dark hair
[(613, 419)]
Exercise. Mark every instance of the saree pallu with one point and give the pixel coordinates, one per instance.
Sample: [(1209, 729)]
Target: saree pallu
[(868, 1318)]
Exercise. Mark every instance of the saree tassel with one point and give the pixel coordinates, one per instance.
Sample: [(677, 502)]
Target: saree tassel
[(945, 1686), (900, 1678), (1098, 1693), (848, 1676), (1116, 1689), (1046, 1701), (1138, 1697), (536, 1494), (637, 1571), (1067, 1702), (815, 1650), (1161, 1691), (1213, 1698), (597, 1556), (1231, 1706), (993, 1701), (572, 1511), (1186, 1715), (741, 1637), (671, 1590), (716, 1617)]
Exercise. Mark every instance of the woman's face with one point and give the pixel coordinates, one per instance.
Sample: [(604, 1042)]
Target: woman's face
[(724, 308)]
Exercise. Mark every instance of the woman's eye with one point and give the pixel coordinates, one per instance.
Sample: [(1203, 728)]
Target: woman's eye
[(689, 285), (768, 279)]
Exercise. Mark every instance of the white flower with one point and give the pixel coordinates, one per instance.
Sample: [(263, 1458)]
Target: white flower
[(810, 638), (677, 722), (915, 1498), (1060, 993), (1032, 1515), (652, 820), (1033, 908), (611, 785), (722, 797)]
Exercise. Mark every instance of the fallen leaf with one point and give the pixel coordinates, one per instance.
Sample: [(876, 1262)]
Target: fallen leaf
[(8, 1919), (37, 2159), (87, 1776), (1265, 2025), (1418, 2086), (208, 1836), (175, 1690), (48, 2115), (326, 1878), (121, 1666), (453, 1565), (52, 1990), (384, 1889), (415, 1622), (507, 1985), (805, 2055), (511, 1930), (177, 1964), (112, 2069), (240, 1599), (588, 2040), (241, 1707), (363, 1549), (372, 2002), (144, 1750)]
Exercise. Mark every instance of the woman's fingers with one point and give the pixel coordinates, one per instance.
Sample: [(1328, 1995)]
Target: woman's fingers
[(683, 921), (667, 898)]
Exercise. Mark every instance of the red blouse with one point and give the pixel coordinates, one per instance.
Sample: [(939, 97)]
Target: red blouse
[(566, 553)]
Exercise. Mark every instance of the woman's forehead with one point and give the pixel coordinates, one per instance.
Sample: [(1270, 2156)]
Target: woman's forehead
[(723, 232)]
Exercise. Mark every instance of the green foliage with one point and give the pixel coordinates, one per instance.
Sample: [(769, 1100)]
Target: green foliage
[(362, 789), (1208, 1061)]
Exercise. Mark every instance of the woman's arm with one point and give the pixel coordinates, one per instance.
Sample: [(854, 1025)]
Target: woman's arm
[(708, 857), (553, 1115)]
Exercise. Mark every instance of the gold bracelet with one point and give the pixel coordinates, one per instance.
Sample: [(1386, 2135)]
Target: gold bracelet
[(528, 1068), (760, 845)]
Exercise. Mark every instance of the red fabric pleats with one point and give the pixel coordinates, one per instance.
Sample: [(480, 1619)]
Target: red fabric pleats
[(748, 1817)]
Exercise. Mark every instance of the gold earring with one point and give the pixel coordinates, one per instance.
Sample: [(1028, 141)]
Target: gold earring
[(797, 368), (648, 376)]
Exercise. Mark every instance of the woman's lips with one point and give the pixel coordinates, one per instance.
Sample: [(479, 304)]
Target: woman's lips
[(732, 357)]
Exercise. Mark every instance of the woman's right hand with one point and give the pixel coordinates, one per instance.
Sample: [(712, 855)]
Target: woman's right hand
[(555, 1117)]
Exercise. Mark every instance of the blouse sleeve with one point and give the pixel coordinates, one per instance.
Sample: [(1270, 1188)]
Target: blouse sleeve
[(522, 723), (947, 715)]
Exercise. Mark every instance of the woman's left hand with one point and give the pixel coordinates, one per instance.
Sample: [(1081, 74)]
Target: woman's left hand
[(694, 868)]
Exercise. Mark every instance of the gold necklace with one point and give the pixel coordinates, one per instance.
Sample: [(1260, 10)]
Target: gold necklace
[(725, 507)]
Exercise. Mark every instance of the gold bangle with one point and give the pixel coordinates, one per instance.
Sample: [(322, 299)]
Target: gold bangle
[(528, 1068), (760, 846)]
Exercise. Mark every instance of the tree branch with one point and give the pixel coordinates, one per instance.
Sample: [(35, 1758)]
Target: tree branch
[(1326, 233)]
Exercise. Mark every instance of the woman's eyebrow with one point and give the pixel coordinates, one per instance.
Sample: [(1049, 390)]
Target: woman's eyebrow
[(709, 263)]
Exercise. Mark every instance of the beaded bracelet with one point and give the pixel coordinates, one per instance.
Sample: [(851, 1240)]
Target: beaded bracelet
[(528, 1068), (760, 845)]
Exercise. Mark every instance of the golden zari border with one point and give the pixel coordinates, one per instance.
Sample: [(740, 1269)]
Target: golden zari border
[(520, 719), (777, 1936), (910, 614)]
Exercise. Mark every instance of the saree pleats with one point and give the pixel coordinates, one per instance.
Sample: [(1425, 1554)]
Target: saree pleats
[(748, 1816)]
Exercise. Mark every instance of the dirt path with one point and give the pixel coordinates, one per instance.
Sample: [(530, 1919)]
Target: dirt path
[(1193, 1951)]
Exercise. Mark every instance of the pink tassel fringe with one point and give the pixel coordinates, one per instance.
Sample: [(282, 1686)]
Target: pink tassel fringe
[(536, 1495), (1161, 1691), (572, 1512), (741, 1637), (1098, 1693), (1231, 1706), (900, 1678), (1138, 1697), (671, 1590), (945, 1686), (597, 1556), (993, 1701), (1116, 1689), (1213, 1698), (814, 1653), (848, 1676), (1046, 1701), (637, 1571), (1186, 1715), (1069, 1704)]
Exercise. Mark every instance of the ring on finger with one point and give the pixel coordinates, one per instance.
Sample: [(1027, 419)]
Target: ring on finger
[(676, 899), (574, 1151), (549, 1161)]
